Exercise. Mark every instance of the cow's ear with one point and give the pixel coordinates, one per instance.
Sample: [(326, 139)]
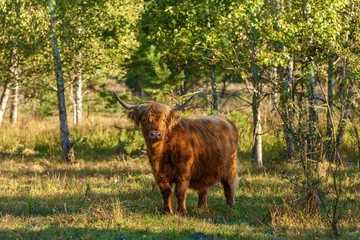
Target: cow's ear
[(173, 118), (134, 116)]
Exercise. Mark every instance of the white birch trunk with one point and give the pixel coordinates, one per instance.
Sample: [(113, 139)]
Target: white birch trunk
[(288, 130), (15, 75), (15, 103), (257, 147), (67, 148), (78, 87), (258, 141), (4, 100), (72, 99), (78, 98)]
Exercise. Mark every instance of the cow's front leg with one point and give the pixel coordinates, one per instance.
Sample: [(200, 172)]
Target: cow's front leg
[(166, 194), (181, 192)]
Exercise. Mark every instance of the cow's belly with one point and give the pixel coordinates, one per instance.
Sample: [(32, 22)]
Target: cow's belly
[(203, 183)]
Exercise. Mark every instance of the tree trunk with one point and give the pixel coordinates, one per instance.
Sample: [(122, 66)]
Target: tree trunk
[(329, 143), (356, 132), (313, 114), (345, 100), (223, 89), (140, 89), (330, 95), (341, 131), (15, 103), (67, 148), (213, 90), (78, 86), (288, 85), (182, 88), (5, 95), (78, 101), (313, 98), (72, 99), (4, 100), (286, 109), (14, 71), (257, 147)]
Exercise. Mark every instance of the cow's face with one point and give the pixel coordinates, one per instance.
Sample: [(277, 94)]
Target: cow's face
[(154, 128), (156, 120)]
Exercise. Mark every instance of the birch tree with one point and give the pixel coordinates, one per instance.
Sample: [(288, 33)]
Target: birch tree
[(78, 84), (313, 102), (5, 95), (14, 103), (68, 151), (257, 146), (9, 37), (15, 90)]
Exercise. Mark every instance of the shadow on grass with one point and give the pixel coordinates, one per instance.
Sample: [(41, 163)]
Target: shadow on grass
[(124, 233), (86, 233), (146, 201), (74, 173), (254, 210), (84, 149)]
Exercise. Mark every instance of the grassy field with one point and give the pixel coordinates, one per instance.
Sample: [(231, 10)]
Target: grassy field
[(109, 191)]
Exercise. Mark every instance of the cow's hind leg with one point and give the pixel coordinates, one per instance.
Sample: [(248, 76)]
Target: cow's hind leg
[(202, 197), (230, 181)]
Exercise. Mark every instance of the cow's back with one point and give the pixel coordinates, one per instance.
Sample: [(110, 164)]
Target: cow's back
[(210, 141)]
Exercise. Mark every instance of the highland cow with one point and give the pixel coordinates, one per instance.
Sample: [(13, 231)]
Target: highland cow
[(187, 153)]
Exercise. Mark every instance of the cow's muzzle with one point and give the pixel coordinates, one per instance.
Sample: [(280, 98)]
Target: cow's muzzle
[(155, 135)]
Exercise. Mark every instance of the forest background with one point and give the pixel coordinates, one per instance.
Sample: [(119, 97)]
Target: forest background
[(286, 72)]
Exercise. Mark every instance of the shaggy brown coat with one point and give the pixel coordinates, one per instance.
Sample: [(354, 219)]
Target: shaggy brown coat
[(189, 153)]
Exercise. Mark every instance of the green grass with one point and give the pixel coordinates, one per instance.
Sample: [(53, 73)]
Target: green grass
[(109, 191)]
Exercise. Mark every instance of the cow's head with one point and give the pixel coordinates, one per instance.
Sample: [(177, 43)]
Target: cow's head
[(156, 120)]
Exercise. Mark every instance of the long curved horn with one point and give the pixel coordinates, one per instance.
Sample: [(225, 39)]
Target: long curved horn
[(179, 107), (124, 104)]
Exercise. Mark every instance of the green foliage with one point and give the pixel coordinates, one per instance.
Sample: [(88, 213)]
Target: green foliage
[(161, 80)]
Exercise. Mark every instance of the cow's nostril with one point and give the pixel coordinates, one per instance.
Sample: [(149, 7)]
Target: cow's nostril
[(155, 135)]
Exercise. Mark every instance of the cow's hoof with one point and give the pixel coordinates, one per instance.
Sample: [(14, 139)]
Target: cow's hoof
[(167, 210), (182, 212)]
